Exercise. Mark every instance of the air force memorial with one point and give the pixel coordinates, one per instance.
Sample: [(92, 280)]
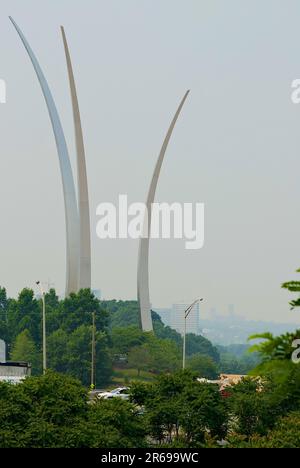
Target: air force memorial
[(141, 221)]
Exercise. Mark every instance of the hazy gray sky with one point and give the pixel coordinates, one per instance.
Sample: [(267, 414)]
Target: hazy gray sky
[(236, 146)]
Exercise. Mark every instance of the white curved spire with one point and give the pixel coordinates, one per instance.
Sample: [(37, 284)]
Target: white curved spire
[(82, 184), (143, 256), (71, 212)]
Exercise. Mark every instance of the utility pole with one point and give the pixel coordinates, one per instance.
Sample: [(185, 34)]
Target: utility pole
[(93, 380), (186, 313), (44, 326)]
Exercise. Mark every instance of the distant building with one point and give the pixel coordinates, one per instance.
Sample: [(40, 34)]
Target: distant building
[(227, 380), (224, 382), (174, 318), (14, 372)]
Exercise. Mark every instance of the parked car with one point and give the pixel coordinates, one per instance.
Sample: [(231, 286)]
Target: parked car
[(120, 392)]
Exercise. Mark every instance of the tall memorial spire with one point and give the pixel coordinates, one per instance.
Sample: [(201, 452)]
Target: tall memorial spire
[(82, 184), (143, 255), (71, 211)]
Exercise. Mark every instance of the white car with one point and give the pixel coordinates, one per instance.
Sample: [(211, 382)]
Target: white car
[(120, 392)]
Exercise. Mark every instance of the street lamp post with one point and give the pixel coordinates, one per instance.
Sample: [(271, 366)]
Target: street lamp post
[(93, 379), (186, 313), (44, 327)]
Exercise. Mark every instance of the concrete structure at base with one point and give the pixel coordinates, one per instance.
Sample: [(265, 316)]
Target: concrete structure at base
[(14, 372), (78, 256), (143, 255)]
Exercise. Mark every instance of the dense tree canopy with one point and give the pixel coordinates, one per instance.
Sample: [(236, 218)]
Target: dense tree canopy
[(203, 365), (173, 408), (52, 411), (119, 337), (68, 328), (180, 409)]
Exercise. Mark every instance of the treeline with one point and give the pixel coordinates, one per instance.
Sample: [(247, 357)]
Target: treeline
[(118, 337), (260, 411), (68, 327), (237, 359), (174, 411)]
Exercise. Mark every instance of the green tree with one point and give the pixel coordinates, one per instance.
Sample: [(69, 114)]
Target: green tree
[(41, 411), (24, 349), (71, 353), (53, 311), (139, 358), (52, 411), (197, 344), (123, 339), (274, 347), (285, 434), (203, 410), (4, 330), (203, 365), (254, 406), (25, 314), (179, 410), (57, 346), (122, 313), (165, 355), (116, 423), (237, 359), (293, 286), (163, 331), (278, 347), (77, 309)]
